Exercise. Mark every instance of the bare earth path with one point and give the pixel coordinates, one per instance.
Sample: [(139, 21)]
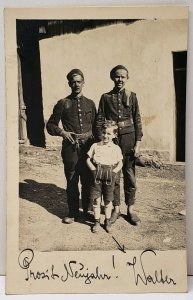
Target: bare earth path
[(160, 198)]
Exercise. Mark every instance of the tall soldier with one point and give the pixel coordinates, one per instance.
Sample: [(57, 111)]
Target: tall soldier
[(121, 105), (77, 114)]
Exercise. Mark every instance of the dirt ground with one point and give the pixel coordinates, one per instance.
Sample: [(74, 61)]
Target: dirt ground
[(160, 199)]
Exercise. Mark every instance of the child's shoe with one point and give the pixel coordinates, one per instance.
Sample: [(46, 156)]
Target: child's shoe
[(108, 225), (96, 226)]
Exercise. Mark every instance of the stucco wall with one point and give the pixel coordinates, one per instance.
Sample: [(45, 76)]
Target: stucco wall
[(145, 47)]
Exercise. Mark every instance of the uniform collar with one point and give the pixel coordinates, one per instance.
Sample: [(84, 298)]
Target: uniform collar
[(123, 95), (80, 97), (121, 92)]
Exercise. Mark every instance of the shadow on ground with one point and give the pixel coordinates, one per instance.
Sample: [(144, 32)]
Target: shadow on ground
[(54, 200)]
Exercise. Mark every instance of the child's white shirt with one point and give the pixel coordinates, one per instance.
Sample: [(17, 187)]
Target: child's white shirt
[(105, 154)]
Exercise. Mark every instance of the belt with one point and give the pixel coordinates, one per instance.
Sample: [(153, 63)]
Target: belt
[(80, 139), (124, 123), (81, 136)]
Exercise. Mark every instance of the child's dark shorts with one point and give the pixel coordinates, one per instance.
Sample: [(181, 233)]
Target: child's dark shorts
[(104, 183)]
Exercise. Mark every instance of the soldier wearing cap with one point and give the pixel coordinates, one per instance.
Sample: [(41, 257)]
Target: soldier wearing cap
[(121, 105), (77, 114)]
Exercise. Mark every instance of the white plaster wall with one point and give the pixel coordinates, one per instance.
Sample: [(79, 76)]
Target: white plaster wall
[(145, 47)]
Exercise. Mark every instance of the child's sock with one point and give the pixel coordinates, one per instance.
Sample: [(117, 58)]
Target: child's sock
[(97, 208), (108, 210)]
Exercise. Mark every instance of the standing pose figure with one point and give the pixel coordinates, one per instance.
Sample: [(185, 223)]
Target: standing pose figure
[(77, 114), (121, 106), (105, 162)]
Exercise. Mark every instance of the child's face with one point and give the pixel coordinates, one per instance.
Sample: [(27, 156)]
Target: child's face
[(108, 134), (120, 77)]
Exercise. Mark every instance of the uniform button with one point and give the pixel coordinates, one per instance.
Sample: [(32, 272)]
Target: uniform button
[(119, 104), (119, 117), (120, 128), (80, 120), (80, 115), (119, 111), (81, 124)]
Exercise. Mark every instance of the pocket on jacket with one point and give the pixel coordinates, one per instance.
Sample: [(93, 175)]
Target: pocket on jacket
[(88, 115)]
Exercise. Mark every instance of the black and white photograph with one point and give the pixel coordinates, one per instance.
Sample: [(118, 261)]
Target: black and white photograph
[(99, 113)]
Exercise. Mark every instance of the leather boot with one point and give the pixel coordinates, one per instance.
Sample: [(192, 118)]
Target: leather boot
[(96, 226), (108, 225)]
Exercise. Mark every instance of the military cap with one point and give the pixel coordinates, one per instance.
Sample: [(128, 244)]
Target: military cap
[(119, 67), (73, 73)]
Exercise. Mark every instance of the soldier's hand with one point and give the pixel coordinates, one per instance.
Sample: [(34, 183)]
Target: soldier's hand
[(137, 149), (67, 135)]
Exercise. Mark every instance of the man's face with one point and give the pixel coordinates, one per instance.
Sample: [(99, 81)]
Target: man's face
[(76, 84), (120, 77), (107, 135)]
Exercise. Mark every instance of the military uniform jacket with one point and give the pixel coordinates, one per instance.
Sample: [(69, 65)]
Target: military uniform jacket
[(122, 108), (76, 114)]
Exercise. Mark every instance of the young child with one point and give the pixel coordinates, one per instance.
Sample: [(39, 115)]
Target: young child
[(105, 161)]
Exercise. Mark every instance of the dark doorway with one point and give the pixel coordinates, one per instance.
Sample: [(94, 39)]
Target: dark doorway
[(180, 65), (29, 56)]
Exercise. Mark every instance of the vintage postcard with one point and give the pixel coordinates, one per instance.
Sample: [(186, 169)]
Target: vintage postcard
[(96, 100)]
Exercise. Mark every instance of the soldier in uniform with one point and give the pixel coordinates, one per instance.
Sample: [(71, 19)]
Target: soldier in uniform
[(77, 114), (121, 105)]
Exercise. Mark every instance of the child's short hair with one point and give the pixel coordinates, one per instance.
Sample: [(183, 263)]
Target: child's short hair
[(110, 124)]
